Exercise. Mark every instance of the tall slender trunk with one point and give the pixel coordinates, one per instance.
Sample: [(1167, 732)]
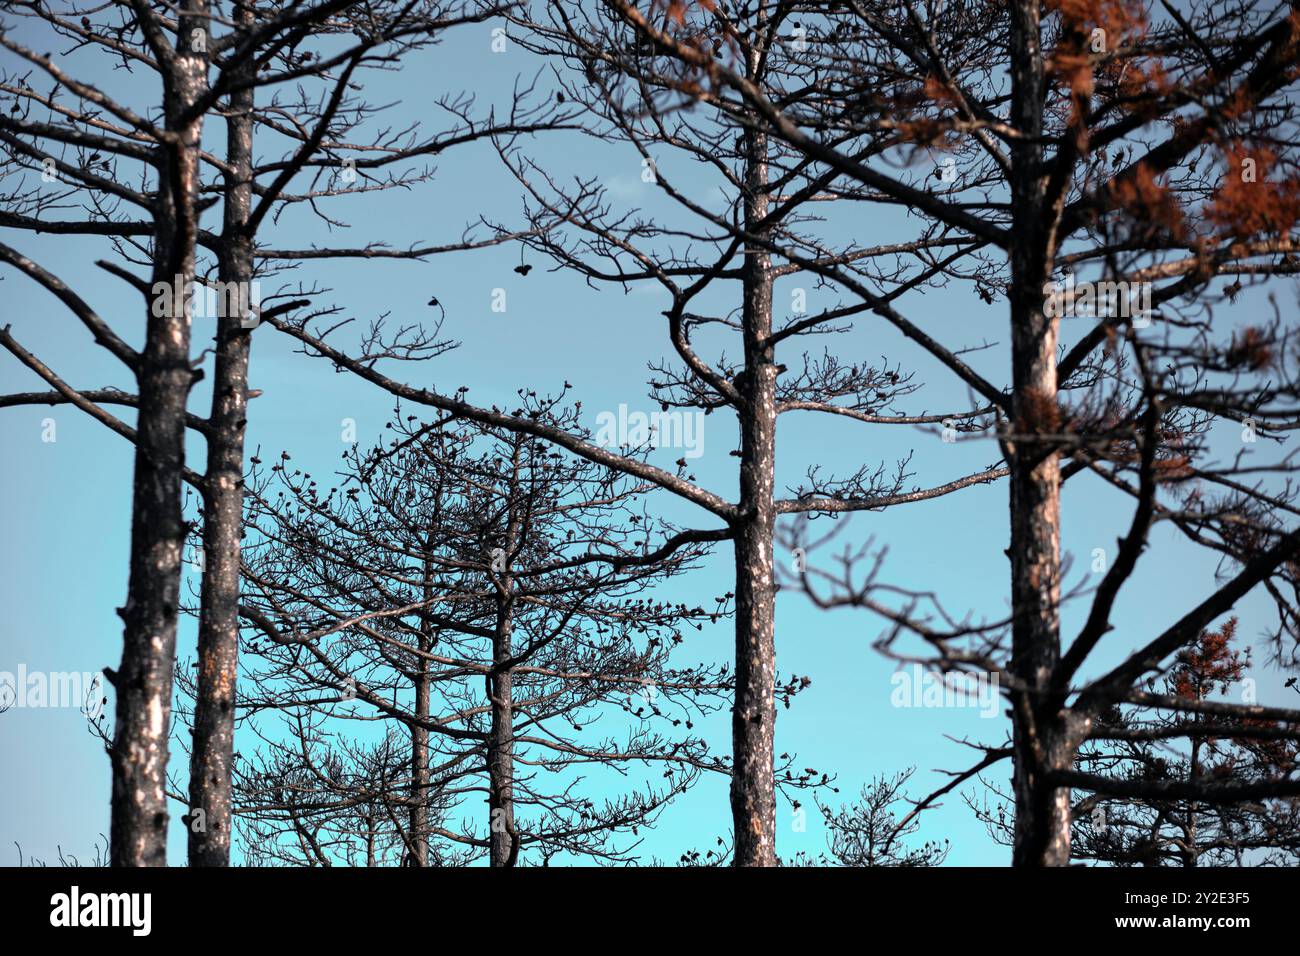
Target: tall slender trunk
[(1192, 849), (223, 505), (504, 838), (143, 681), (1040, 741), (418, 821), (753, 720)]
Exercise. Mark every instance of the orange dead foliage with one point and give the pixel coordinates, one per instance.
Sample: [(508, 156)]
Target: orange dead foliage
[(676, 10), (1148, 201), (1208, 663), (1172, 468), (1119, 18), (1252, 349), (1256, 206), (937, 90)]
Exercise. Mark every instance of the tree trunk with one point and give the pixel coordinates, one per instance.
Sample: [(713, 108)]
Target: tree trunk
[(419, 815), (1191, 849), (143, 681), (504, 838), (419, 811), (223, 506), (1042, 825), (753, 721)]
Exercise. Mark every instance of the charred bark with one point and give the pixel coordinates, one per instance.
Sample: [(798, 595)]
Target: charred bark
[(504, 837), (143, 681), (223, 504), (1042, 828), (418, 818), (753, 722)]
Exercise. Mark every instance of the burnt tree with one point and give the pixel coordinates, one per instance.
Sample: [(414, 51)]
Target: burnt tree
[(1144, 152), (95, 150), (490, 601)]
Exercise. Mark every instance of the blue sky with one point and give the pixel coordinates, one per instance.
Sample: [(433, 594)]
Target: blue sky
[(65, 505)]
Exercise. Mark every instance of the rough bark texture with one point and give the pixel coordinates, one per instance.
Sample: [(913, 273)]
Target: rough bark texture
[(1190, 848), (223, 504), (753, 721), (1042, 828), (143, 682), (419, 816), (418, 820), (504, 838)]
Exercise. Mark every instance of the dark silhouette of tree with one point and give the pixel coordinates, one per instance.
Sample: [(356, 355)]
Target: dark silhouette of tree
[(281, 75), (164, 137), (1171, 753), (1186, 832), (1142, 155), (721, 322), (871, 831), (312, 797), (1148, 152), (491, 602)]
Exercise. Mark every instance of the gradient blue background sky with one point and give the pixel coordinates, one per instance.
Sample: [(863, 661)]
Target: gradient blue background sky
[(65, 505)]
